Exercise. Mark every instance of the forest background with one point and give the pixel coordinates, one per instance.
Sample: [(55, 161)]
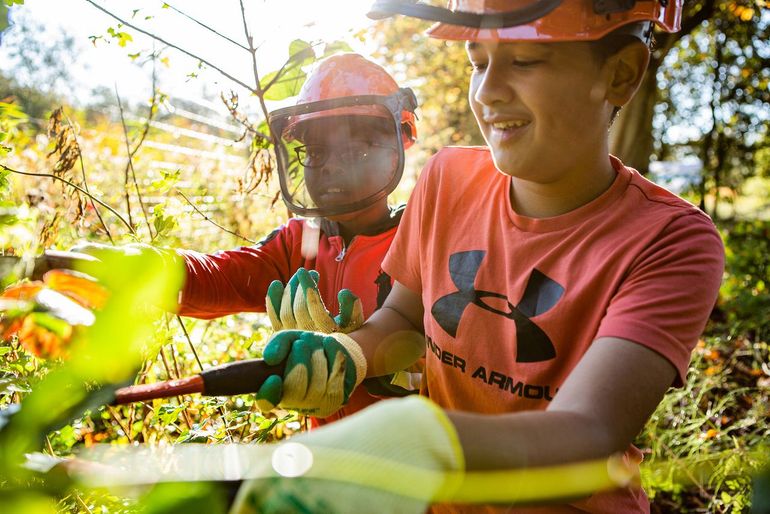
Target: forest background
[(187, 163)]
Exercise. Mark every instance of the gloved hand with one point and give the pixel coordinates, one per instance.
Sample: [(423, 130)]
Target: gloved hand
[(321, 372), (394, 457), (299, 306)]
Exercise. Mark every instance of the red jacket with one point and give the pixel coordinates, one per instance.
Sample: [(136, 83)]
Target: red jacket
[(232, 281)]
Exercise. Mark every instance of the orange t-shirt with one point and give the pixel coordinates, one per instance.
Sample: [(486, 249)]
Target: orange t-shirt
[(512, 303)]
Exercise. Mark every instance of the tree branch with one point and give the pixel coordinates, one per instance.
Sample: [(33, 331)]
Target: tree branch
[(257, 91), (158, 38), (75, 186), (206, 26)]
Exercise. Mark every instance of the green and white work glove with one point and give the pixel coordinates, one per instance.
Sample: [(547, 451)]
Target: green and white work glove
[(322, 370), (298, 305), (397, 456)]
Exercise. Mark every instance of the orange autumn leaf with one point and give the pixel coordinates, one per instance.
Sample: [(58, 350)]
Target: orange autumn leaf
[(42, 342), (83, 290), (44, 319), (23, 291)]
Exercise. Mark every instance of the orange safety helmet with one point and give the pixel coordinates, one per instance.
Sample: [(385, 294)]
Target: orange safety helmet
[(340, 91), (351, 75), (536, 20)]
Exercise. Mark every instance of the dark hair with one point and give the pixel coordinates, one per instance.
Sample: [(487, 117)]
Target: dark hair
[(613, 43)]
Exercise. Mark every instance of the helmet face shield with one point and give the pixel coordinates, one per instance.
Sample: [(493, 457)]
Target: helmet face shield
[(533, 20), (341, 155)]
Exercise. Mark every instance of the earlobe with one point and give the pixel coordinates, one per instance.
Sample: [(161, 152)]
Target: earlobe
[(627, 69)]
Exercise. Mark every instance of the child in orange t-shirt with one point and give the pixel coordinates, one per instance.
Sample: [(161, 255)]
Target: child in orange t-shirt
[(560, 293)]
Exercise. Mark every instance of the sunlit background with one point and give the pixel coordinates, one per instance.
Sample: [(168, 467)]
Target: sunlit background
[(101, 61)]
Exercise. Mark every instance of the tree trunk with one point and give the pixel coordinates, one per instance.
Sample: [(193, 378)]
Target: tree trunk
[(631, 135)]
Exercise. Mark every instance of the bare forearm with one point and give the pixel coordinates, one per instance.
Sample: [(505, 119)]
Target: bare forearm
[(529, 439), (389, 341), (597, 412)]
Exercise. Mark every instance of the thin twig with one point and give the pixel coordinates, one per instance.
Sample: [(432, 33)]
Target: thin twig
[(221, 409), (683, 467), (158, 38), (150, 116), (120, 424), (82, 503), (126, 192), (189, 341), (75, 186), (131, 153), (242, 120), (212, 221), (257, 89), (85, 182), (172, 376), (49, 447), (205, 26)]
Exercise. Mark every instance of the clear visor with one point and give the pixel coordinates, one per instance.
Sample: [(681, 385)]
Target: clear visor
[(521, 13), (339, 158)]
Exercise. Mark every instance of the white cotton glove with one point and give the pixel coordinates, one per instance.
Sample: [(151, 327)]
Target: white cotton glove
[(394, 457)]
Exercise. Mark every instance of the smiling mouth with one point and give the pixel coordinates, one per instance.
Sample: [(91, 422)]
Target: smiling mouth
[(509, 125)]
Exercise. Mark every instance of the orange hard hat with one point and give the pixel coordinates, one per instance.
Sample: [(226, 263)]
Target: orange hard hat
[(351, 75), (535, 20)]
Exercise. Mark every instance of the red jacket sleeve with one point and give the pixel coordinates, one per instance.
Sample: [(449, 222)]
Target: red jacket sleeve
[(232, 281)]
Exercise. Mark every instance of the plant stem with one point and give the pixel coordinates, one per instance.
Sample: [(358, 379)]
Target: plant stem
[(212, 221), (75, 186), (85, 182)]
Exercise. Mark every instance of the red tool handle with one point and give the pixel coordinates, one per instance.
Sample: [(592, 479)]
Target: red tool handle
[(240, 377), (143, 392)]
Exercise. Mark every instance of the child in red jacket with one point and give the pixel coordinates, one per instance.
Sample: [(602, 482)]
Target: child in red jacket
[(343, 154)]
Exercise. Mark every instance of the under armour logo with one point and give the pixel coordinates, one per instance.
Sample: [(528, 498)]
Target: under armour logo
[(541, 293)]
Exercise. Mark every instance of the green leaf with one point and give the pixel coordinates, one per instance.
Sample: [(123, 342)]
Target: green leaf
[(122, 37), (50, 323), (14, 385), (287, 81), (301, 53), (336, 47), (168, 413), (167, 181)]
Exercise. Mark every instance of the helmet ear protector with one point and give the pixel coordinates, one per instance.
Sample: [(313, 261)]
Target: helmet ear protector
[(395, 110)]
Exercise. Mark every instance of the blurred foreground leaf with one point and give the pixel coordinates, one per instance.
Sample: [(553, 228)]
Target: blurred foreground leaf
[(103, 356)]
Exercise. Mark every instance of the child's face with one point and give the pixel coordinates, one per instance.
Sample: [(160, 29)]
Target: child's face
[(540, 107), (348, 158)]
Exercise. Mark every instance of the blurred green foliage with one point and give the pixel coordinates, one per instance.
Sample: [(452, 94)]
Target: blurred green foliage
[(746, 288)]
